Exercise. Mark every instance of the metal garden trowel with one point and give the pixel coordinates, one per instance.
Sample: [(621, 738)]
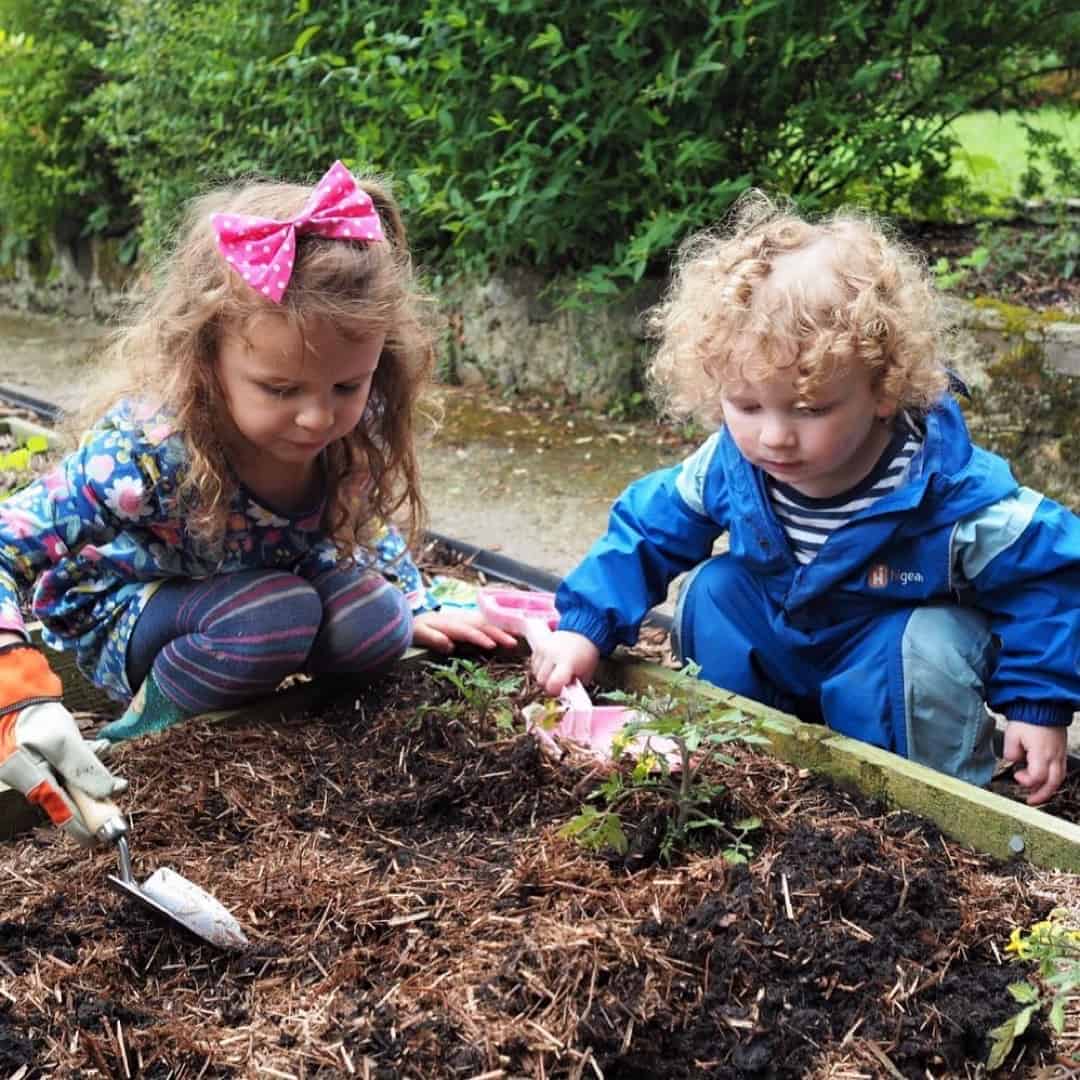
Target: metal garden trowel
[(165, 894)]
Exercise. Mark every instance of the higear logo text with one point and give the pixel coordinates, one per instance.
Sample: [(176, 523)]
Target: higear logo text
[(880, 575)]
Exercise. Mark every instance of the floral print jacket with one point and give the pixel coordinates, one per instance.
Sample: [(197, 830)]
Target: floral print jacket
[(88, 543)]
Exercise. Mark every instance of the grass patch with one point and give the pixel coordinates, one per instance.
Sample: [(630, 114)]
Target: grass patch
[(992, 155)]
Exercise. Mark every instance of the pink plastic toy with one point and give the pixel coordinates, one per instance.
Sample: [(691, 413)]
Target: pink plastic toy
[(532, 615)]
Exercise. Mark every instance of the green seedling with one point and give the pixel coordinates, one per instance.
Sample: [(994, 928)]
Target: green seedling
[(949, 273), (23, 462), (1056, 948), (481, 697), (699, 730)]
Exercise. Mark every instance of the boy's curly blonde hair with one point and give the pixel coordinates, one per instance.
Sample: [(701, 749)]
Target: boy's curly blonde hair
[(167, 355), (738, 309)]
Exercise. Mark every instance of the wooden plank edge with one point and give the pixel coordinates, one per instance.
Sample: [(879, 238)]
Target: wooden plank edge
[(976, 817), (22, 429)]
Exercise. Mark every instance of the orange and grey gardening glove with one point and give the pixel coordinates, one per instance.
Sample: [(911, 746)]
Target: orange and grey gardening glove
[(41, 749)]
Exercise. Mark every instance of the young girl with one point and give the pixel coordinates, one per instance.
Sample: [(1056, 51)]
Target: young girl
[(220, 527), (882, 573)]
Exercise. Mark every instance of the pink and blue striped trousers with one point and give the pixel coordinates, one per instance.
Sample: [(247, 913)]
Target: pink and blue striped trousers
[(217, 642)]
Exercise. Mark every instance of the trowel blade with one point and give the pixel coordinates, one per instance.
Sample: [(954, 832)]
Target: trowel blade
[(182, 903)]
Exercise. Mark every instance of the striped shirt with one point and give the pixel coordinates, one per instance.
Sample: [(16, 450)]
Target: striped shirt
[(809, 522)]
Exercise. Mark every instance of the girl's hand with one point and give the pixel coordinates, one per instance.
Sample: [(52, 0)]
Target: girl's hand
[(42, 752), (563, 657), (1042, 750), (441, 630)]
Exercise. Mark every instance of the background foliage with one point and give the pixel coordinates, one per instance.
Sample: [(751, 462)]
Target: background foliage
[(50, 163), (564, 135)]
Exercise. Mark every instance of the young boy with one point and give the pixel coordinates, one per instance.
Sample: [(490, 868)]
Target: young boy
[(882, 573)]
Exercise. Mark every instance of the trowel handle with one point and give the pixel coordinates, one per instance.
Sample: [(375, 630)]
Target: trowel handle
[(103, 818), (531, 615), (577, 697), (536, 631)]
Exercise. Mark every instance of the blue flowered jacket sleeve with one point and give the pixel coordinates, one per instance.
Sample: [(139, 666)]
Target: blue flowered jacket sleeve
[(396, 565), (83, 541), (67, 538), (393, 561)]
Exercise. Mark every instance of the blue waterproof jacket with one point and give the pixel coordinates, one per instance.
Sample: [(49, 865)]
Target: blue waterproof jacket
[(961, 529)]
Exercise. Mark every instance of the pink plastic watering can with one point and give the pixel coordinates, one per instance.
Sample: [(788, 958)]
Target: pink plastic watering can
[(533, 616)]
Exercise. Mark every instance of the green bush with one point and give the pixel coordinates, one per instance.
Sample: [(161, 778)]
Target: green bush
[(51, 166), (586, 137), (593, 136), (201, 92)]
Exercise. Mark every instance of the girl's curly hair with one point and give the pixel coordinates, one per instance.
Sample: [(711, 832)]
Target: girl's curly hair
[(167, 355), (735, 313)]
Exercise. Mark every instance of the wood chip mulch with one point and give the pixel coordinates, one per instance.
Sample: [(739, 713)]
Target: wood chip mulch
[(413, 912)]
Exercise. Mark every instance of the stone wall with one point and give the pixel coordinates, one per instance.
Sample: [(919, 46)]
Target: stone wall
[(74, 277), (507, 332)]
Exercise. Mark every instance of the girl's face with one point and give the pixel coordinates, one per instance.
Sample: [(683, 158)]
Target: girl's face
[(288, 397), (821, 447)]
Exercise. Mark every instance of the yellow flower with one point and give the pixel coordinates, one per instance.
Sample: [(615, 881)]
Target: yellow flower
[(1018, 945)]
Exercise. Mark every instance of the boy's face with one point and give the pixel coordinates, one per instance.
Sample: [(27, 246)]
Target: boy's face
[(820, 447)]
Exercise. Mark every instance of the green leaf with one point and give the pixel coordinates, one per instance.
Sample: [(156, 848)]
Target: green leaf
[(304, 37), (614, 836), (705, 823), (747, 824), (1024, 993), (550, 38), (1004, 1038), (1057, 1015), (572, 829), (1021, 1020)]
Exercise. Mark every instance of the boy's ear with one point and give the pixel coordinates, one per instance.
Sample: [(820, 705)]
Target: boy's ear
[(886, 408)]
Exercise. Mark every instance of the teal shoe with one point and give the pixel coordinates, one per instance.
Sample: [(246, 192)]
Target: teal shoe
[(150, 711)]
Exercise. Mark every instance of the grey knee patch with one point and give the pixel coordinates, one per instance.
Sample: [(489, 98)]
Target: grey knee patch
[(946, 654), (677, 618)]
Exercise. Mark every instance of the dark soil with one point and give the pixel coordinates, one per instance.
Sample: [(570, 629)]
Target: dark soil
[(413, 912), (1065, 803)]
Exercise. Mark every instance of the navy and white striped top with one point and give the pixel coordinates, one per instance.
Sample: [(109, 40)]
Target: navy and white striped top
[(808, 522)]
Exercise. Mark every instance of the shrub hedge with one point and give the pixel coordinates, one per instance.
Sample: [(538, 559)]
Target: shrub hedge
[(567, 135)]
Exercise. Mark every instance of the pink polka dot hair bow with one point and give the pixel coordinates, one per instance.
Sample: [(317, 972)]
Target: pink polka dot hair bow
[(262, 250)]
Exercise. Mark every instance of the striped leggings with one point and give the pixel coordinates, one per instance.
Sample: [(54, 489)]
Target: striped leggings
[(215, 643)]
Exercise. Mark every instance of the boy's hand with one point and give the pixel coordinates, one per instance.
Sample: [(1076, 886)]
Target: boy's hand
[(1042, 751), (563, 657), (441, 630)]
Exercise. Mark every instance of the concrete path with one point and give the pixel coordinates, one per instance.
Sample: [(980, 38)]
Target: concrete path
[(534, 486)]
